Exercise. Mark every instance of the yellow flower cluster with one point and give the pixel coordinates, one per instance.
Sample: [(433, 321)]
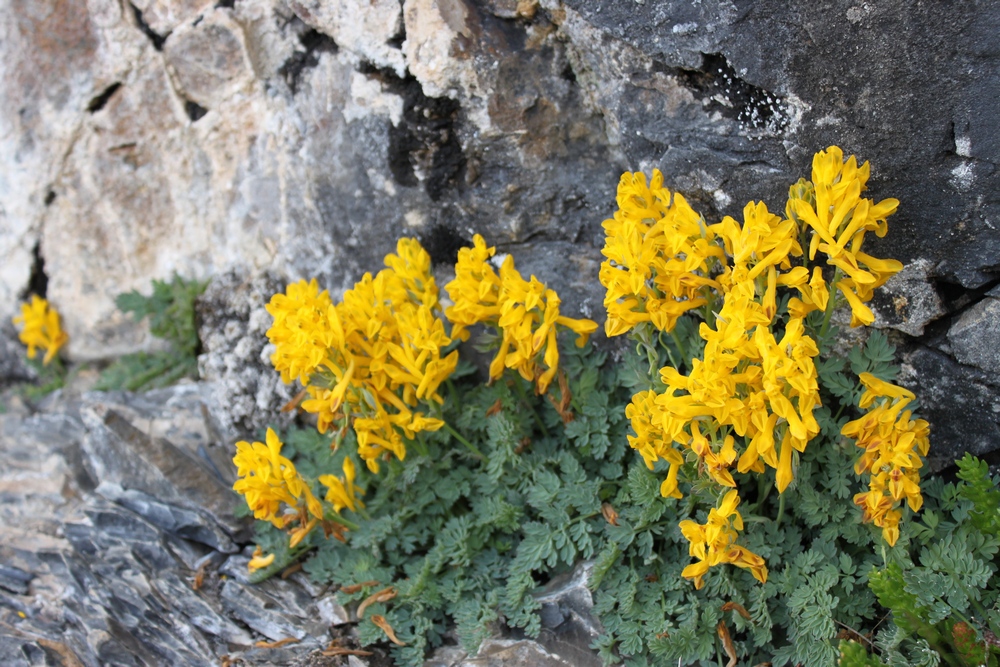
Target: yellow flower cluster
[(748, 383), (749, 400), (301, 332), (839, 217), (659, 256), (893, 444), (372, 358), (41, 328), (526, 312), (267, 479), (714, 543)]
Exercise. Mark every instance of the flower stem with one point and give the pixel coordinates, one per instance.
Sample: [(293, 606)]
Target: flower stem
[(468, 445), (831, 305), (346, 523), (781, 510), (527, 402)]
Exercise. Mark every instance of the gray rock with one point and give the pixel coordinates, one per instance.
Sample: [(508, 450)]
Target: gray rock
[(233, 326), (908, 302), (201, 614), (975, 336), (259, 611), (189, 524), (568, 624), (134, 581), (513, 653), (961, 403), (15, 579), (120, 454)]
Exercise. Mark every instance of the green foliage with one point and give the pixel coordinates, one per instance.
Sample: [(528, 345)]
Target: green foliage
[(50, 378), (980, 490), (170, 309), (467, 542), (940, 587)]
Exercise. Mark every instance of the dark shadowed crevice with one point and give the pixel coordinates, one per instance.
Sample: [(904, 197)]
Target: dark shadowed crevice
[(424, 146), (194, 110), (957, 298), (442, 243), (227, 4), (50, 197), (313, 44), (396, 41), (101, 100), (154, 37), (754, 107), (38, 281)]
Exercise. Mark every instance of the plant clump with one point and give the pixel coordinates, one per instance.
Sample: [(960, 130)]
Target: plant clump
[(726, 433)]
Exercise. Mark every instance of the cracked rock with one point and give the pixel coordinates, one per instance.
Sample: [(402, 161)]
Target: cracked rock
[(975, 337)]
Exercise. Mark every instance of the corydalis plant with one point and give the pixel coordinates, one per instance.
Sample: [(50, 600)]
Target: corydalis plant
[(40, 329), (373, 365), (764, 289)]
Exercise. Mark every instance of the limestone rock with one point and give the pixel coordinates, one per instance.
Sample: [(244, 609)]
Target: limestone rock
[(233, 326), (369, 28), (304, 138), (207, 61), (163, 16)]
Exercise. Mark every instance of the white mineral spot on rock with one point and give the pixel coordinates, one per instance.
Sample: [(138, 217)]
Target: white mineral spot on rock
[(415, 218), (963, 146), (368, 98), (684, 28), (962, 177)]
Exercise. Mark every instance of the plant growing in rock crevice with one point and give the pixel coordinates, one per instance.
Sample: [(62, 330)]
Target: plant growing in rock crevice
[(473, 495), (171, 312)]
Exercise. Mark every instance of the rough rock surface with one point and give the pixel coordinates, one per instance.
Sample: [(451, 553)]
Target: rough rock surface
[(118, 547), (232, 326), (302, 138)]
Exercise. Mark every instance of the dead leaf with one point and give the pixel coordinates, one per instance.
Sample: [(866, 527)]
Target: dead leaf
[(387, 629), (563, 406), (291, 569), (610, 515), (340, 650), (383, 595), (727, 643), (738, 608), (277, 644), (495, 408), (354, 588), (294, 403)]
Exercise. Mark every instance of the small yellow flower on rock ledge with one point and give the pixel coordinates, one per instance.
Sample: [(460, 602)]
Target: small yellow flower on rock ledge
[(41, 328)]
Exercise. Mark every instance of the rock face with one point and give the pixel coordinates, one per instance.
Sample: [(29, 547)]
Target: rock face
[(302, 138), (118, 546)]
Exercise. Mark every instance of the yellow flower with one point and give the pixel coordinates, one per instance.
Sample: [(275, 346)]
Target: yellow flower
[(892, 445), (267, 479), (41, 328), (342, 492), (304, 329), (525, 311), (259, 560), (372, 358), (659, 256), (714, 543), (650, 442), (838, 218)]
